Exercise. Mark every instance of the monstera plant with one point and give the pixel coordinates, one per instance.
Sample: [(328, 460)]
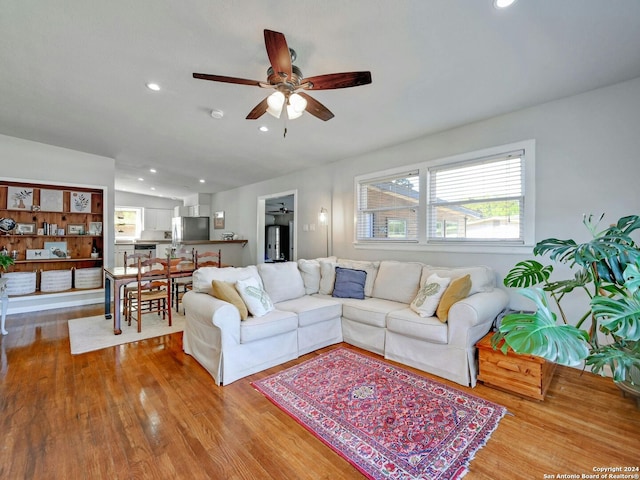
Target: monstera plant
[(606, 337)]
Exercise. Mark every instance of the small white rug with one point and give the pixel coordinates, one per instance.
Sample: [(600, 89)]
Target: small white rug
[(94, 333)]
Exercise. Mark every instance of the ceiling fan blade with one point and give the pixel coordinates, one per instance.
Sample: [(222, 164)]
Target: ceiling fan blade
[(278, 52), (221, 78), (337, 80), (316, 109), (258, 110)]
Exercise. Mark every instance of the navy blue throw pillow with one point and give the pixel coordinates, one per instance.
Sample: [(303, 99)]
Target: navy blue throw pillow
[(349, 283)]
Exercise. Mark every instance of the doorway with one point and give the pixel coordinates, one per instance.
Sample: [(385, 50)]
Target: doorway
[(276, 236)]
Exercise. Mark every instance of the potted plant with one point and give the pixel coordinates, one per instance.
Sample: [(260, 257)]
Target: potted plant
[(607, 336), (5, 262)]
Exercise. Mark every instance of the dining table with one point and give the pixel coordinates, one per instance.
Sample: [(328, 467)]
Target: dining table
[(118, 277)]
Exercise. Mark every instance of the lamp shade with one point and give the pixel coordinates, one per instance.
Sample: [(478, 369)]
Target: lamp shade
[(296, 106), (275, 101)]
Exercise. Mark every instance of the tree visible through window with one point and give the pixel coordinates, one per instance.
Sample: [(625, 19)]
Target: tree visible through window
[(477, 200)]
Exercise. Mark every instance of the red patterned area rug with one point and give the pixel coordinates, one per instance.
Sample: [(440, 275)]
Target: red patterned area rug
[(388, 422)]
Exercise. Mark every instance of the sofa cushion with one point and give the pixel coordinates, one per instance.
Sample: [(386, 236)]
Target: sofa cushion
[(311, 310), (429, 295), (203, 276), (282, 281), (397, 281), (227, 291), (408, 323), (310, 272), (349, 283), (368, 266), (457, 290), (370, 311), (276, 322), (254, 296), (483, 279), (327, 276)]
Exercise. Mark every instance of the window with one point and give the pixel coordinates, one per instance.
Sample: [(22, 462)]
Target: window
[(479, 200), (388, 207), (128, 222), (484, 199)]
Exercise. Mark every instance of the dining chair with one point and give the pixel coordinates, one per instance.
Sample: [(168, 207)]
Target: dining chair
[(129, 290), (153, 294), (208, 259), (181, 285)]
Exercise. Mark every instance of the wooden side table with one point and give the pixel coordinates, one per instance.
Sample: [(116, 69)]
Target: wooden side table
[(526, 375)]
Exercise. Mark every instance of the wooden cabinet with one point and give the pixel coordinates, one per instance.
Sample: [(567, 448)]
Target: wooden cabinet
[(526, 375), (52, 220)]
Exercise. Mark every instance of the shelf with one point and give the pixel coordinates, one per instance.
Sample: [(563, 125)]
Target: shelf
[(57, 260), (28, 235)]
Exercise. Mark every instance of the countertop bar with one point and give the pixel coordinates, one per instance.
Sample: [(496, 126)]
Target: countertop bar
[(188, 242)]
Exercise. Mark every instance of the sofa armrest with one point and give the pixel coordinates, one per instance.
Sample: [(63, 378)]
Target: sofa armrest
[(470, 319), (206, 310)]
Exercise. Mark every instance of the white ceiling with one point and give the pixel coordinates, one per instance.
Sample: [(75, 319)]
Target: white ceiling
[(73, 74)]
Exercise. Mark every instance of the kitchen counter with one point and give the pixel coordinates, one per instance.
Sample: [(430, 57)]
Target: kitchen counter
[(188, 242)]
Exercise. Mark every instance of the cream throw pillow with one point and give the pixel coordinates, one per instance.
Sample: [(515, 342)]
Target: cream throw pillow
[(257, 300), (226, 291), (458, 290), (429, 295)]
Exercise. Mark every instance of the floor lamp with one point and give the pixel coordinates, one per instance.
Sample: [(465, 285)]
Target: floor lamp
[(323, 219)]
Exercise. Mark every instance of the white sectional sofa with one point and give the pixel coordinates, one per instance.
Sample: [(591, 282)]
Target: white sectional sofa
[(307, 315)]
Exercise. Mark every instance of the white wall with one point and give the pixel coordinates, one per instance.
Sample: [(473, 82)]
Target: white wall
[(587, 152), (127, 199)]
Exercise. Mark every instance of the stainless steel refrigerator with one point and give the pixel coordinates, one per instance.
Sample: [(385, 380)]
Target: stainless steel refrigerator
[(276, 243), (190, 228)]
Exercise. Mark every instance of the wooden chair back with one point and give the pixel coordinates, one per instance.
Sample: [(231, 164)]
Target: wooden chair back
[(208, 259)]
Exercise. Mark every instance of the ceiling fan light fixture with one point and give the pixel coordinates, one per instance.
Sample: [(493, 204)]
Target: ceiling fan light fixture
[(503, 3), (275, 101), (296, 106)]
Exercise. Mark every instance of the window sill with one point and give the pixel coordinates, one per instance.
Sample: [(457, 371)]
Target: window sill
[(507, 249)]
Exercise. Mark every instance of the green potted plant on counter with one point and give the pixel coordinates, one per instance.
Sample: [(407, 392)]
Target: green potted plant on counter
[(607, 336)]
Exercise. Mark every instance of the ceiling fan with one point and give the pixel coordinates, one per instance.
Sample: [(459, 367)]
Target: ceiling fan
[(283, 210), (289, 84)]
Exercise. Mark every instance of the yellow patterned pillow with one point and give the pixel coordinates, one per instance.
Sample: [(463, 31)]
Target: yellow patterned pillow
[(457, 290), (227, 291)]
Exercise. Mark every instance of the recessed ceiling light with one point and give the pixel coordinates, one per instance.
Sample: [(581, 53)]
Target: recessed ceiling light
[(153, 188), (202, 180), (153, 86), (217, 114), (264, 128), (140, 179), (503, 3), (152, 170)]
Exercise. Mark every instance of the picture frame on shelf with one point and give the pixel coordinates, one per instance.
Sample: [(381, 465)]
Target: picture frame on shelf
[(25, 228), (50, 200), (19, 198), (80, 202), (218, 220), (56, 249), (75, 229), (95, 228), (37, 254)]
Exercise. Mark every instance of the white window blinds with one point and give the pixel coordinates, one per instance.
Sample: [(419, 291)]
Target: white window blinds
[(388, 207), (479, 200)]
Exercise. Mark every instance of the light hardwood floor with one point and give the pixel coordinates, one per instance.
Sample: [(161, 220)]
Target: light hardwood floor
[(147, 410)]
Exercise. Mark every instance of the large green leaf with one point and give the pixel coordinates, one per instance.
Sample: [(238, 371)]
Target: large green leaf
[(581, 279), (618, 357), (527, 274), (539, 334), (558, 250), (632, 277), (618, 316)]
